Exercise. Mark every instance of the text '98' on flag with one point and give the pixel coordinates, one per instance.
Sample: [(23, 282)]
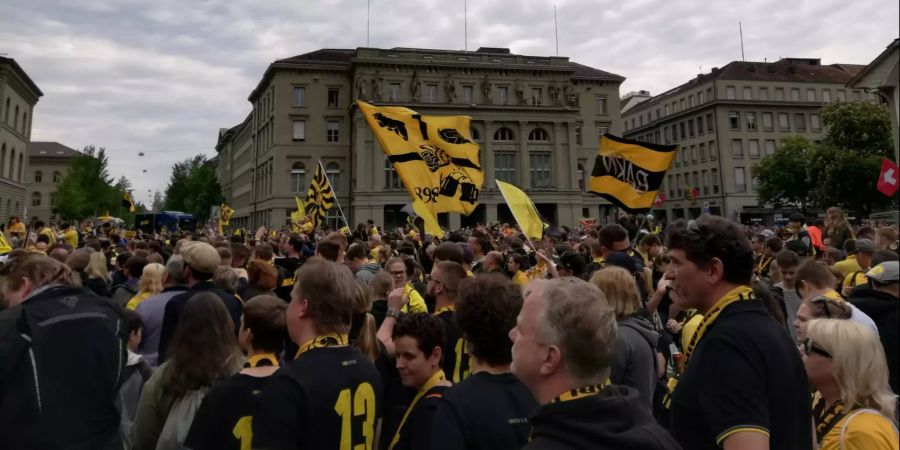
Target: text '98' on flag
[(630, 173), (434, 156)]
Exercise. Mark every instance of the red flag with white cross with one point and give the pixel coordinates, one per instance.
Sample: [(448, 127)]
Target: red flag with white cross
[(889, 178)]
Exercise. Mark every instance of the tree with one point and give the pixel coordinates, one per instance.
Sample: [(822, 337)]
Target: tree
[(193, 187), (86, 189), (782, 175), (158, 202), (862, 127)]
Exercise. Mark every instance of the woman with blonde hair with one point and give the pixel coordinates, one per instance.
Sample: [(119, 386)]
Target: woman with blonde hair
[(634, 360), (853, 407), (151, 284), (96, 274), (362, 324), (837, 228)]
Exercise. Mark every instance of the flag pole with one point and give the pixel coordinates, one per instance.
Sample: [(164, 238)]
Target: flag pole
[(337, 201)]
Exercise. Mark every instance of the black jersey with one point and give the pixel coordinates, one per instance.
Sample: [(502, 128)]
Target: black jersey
[(484, 412), (416, 432), (455, 362), (328, 398), (224, 420)]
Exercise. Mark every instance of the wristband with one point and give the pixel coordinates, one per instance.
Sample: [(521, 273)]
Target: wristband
[(393, 313)]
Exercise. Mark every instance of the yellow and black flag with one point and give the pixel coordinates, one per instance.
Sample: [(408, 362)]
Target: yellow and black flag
[(225, 213), (629, 173), (435, 156), (128, 201), (319, 197)]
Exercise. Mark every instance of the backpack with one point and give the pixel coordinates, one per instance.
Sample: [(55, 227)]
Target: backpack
[(179, 421)]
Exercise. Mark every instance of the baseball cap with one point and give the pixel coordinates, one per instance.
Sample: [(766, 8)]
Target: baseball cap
[(572, 261), (865, 246), (886, 272), (201, 256), (622, 260)]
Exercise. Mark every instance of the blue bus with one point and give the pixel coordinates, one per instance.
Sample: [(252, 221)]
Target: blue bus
[(171, 220)]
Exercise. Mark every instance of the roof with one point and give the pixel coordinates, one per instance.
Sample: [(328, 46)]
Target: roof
[(325, 55), (786, 70), (18, 69), (589, 73), (56, 149), (893, 46)]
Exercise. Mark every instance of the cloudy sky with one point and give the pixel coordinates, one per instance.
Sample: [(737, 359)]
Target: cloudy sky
[(162, 76)]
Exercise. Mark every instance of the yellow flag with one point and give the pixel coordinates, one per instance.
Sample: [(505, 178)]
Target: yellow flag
[(522, 209), (4, 245), (319, 197), (431, 223), (434, 156), (630, 173), (300, 213), (225, 213)]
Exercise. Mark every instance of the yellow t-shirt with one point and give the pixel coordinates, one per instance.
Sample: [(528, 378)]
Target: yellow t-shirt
[(520, 279), (18, 228), (865, 430), (416, 303), (49, 233), (137, 299), (847, 266), (70, 236), (851, 281)]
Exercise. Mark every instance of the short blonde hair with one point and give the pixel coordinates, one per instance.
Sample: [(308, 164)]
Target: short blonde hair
[(620, 289), (858, 363), (152, 278), (97, 267)]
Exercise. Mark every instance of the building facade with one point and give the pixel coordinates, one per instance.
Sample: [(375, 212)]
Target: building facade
[(18, 95), (48, 163), (726, 120), (882, 76), (537, 119)]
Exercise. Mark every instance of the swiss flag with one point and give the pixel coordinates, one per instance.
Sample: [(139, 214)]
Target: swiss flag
[(888, 178), (660, 200)]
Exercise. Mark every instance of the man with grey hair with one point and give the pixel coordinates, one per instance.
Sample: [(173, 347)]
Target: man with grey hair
[(563, 344), (153, 309)]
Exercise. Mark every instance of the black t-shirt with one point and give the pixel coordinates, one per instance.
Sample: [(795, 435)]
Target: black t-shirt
[(745, 375), (224, 420), (416, 432), (484, 412), (287, 267), (326, 396), (455, 362), (397, 397)]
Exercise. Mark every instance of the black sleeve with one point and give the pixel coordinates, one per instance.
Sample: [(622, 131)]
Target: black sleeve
[(203, 428), (421, 424), (170, 321), (447, 431), (277, 424)]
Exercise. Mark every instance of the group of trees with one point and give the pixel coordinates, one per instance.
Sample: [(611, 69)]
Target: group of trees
[(841, 170), (193, 187)]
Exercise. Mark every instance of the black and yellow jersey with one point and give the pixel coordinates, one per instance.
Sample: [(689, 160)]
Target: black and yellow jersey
[(327, 398), (416, 432), (225, 418), (455, 362)]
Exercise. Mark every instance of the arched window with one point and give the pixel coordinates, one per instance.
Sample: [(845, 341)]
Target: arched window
[(476, 136), (298, 178), (57, 176), (503, 134), (6, 111), (333, 171), (35, 199), (539, 134), (16, 119), (38, 176)]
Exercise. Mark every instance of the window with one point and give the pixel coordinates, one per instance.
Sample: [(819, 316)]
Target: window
[(578, 134), (431, 90), (737, 148), (713, 154), (700, 97), (770, 147), (670, 186), (57, 176), (734, 120), (693, 153), (299, 130), (334, 97), (709, 94), (505, 167), (580, 176), (503, 93), (476, 136), (657, 114), (709, 123), (705, 179), (748, 93), (16, 120), (681, 129), (681, 105), (333, 133), (299, 96), (666, 110), (800, 121), (767, 121), (702, 147), (602, 128), (810, 95), (779, 94), (468, 94), (53, 199), (826, 95), (795, 94), (763, 93), (751, 121), (691, 128), (601, 104), (753, 148), (538, 134), (714, 173), (391, 178), (36, 199), (38, 176), (700, 128), (540, 170), (333, 172), (298, 178), (6, 111), (784, 122), (679, 185), (503, 134), (730, 93), (841, 95), (395, 92), (536, 96), (856, 96), (690, 101), (667, 132), (740, 180), (815, 123)]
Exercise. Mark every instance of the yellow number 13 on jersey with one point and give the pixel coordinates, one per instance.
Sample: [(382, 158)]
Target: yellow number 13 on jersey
[(354, 404)]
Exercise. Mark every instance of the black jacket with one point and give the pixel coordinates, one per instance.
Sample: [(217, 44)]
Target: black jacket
[(176, 305), (62, 356), (613, 419), (884, 309)]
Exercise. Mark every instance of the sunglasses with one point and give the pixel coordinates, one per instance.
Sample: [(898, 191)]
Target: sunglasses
[(824, 302), (809, 347)]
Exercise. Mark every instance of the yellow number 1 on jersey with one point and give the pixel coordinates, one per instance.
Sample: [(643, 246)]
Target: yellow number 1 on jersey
[(243, 430), (363, 404)]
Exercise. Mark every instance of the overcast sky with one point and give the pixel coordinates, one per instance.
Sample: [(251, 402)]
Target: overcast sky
[(162, 76)]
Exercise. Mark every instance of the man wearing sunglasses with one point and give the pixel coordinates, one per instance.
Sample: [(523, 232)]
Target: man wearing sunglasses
[(744, 385)]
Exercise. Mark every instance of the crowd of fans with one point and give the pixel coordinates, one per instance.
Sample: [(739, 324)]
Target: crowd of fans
[(699, 334)]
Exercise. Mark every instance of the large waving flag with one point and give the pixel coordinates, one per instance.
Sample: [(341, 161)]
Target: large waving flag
[(432, 226), (434, 156), (630, 173), (522, 209), (319, 197), (225, 213), (128, 201)]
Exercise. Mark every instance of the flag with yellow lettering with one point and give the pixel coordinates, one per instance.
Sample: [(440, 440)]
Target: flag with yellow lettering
[(319, 197), (523, 209), (435, 156), (629, 173)]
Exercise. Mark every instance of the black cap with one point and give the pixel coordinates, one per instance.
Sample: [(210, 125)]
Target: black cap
[(622, 260), (572, 261)]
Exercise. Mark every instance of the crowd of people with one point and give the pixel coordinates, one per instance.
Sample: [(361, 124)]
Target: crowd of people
[(698, 334)]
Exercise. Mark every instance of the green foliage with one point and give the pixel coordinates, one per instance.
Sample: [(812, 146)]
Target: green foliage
[(863, 128), (193, 187), (782, 175), (87, 189)]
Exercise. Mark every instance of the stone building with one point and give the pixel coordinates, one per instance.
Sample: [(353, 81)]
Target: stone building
[(48, 163), (18, 95)]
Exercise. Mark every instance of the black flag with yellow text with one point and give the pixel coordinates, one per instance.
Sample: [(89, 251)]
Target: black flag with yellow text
[(630, 173)]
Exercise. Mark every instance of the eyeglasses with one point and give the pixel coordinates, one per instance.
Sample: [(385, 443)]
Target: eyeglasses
[(809, 347), (824, 302)]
